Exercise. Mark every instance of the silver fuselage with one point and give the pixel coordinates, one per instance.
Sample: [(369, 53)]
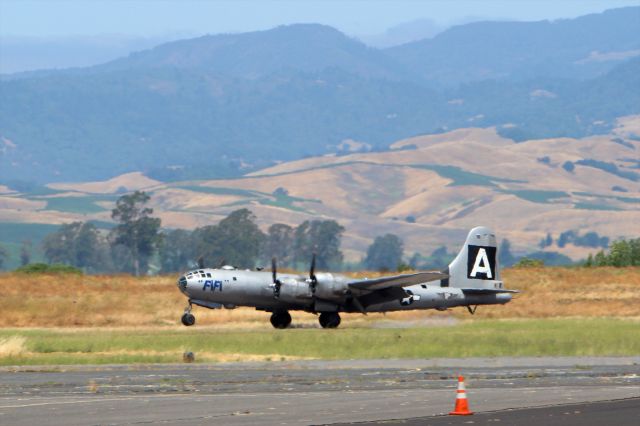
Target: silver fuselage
[(216, 288)]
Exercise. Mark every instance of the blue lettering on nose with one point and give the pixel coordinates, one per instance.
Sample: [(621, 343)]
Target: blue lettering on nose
[(211, 284)]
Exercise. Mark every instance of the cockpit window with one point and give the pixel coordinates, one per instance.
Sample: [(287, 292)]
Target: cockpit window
[(208, 275)]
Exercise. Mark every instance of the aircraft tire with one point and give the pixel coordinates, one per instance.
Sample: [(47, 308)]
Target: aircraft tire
[(188, 320), (329, 319), (280, 319)]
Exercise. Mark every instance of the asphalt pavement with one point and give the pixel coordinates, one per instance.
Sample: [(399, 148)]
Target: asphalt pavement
[(324, 392)]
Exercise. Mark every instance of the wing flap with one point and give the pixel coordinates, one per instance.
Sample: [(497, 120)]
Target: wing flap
[(397, 281), (381, 296)]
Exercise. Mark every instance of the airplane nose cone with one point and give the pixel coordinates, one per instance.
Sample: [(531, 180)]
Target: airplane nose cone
[(182, 285)]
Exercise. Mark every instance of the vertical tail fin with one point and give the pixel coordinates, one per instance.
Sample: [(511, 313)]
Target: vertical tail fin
[(476, 265)]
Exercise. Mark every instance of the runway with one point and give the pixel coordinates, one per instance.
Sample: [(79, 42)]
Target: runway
[(316, 392), (624, 412)]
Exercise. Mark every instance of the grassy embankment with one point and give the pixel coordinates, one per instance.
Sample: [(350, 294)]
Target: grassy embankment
[(473, 338), (73, 319)]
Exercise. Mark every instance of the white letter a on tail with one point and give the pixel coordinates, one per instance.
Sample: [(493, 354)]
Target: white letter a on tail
[(482, 265)]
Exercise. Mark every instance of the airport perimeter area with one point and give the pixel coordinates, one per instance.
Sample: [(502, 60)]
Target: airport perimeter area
[(567, 350)]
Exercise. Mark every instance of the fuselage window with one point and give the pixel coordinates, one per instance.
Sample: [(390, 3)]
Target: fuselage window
[(234, 278)]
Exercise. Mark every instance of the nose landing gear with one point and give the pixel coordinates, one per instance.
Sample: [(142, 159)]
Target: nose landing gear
[(329, 319), (280, 319), (187, 318)]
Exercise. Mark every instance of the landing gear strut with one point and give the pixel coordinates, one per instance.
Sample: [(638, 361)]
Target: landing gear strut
[(187, 318), (280, 319), (329, 319)]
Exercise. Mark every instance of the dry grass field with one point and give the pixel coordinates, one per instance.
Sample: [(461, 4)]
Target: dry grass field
[(70, 319), (123, 301)]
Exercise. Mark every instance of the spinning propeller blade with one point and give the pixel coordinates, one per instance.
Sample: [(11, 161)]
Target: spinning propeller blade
[(274, 276), (273, 269), (312, 276)]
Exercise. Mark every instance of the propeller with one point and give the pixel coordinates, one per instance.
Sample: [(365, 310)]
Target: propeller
[(312, 276), (276, 281)]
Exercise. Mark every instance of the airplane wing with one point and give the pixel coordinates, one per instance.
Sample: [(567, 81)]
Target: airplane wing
[(397, 281)]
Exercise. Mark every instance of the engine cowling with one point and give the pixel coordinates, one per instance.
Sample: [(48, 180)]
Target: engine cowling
[(292, 290), (330, 287)]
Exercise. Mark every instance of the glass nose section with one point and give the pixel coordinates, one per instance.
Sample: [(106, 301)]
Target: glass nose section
[(182, 284)]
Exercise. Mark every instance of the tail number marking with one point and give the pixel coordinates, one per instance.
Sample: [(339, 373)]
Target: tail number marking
[(481, 263)]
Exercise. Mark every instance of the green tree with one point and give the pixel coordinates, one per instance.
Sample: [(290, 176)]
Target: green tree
[(439, 258), (322, 237), (546, 241), (77, 244), (4, 255), (207, 243), (279, 243), (590, 261), (241, 238), (236, 239), (177, 251), (635, 251), (600, 259), (25, 252), (416, 261), (505, 257), (87, 247), (620, 254), (565, 238), (137, 231), (385, 254)]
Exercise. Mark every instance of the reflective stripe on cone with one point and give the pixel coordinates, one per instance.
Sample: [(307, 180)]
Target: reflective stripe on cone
[(462, 406)]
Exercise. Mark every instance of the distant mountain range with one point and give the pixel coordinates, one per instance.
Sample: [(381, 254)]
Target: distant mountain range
[(222, 105), (580, 48)]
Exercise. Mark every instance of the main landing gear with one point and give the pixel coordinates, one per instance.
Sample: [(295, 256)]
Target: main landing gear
[(280, 319), (329, 319), (187, 318)]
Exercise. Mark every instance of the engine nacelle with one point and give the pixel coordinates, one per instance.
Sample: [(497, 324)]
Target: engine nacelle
[(292, 290), (330, 287)]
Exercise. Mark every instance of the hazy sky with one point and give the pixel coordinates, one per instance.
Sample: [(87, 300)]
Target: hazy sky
[(355, 17)]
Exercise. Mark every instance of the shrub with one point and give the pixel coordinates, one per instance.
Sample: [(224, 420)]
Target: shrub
[(526, 262), (44, 268)]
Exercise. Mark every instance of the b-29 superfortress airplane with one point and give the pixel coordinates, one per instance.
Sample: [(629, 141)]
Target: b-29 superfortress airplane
[(472, 279)]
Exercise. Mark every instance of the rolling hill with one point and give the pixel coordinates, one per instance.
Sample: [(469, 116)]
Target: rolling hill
[(428, 189)]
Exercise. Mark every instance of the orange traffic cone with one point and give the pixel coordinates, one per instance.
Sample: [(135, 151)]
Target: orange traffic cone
[(462, 408)]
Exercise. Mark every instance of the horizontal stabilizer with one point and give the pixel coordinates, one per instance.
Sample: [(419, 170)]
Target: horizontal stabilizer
[(397, 281)]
